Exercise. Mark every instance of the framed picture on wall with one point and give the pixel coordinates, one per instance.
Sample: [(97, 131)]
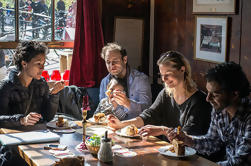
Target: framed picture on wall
[(211, 39), (214, 6)]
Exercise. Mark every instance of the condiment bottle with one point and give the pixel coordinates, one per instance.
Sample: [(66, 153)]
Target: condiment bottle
[(105, 151)]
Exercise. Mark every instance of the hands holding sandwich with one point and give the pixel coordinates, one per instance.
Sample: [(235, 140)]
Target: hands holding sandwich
[(118, 97)]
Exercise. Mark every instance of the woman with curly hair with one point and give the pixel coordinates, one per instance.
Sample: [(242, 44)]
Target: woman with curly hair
[(24, 96)]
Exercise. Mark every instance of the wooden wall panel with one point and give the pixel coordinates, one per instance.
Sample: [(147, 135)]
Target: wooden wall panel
[(245, 58), (119, 8), (174, 30)]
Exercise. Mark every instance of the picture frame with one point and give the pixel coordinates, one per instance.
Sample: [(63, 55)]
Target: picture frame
[(214, 6), (210, 39)]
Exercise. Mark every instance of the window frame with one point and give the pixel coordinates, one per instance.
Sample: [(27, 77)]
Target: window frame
[(52, 44)]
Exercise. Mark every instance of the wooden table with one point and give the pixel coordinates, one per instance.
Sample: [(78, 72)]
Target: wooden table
[(147, 153)]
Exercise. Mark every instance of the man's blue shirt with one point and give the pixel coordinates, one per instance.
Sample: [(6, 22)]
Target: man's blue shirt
[(139, 91)]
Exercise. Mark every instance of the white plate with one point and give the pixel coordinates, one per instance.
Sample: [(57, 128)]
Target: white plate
[(188, 151), (118, 132), (64, 131), (103, 122), (52, 124)]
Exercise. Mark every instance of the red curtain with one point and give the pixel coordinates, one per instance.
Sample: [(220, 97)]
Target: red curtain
[(87, 68)]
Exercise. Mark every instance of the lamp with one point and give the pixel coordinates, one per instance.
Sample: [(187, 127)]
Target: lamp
[(46, 75), (55, 75), (66, 76)]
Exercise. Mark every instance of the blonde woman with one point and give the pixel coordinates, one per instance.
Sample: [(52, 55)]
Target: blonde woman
[(179, 103)]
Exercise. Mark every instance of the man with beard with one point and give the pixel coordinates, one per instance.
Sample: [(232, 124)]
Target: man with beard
[(228, 90), (136, 84)]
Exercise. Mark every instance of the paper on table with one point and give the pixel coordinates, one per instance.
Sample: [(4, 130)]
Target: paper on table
[(28, 137)]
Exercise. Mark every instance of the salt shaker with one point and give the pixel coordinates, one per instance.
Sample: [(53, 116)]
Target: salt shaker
[(105, 151)]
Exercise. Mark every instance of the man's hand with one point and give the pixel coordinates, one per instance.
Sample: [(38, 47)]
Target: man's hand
[(114, 122), (31, 119), (121, 98), (172, 134), (58, 86)]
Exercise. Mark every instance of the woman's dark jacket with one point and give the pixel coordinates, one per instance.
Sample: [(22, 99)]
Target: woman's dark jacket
[(17, 101)]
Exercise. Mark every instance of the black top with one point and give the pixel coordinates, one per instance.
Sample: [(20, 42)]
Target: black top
[(194, 115), (18, 101)]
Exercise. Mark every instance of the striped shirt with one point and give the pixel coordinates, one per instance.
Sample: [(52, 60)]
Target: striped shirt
[(107, 108), (234, 134)]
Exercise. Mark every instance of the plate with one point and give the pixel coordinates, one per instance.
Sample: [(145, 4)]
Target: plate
[(188, 151), (65, 131), (92, 121), (53, 125), (118, 132)]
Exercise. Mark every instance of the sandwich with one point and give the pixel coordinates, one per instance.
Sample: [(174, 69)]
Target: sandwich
[(99, 117)]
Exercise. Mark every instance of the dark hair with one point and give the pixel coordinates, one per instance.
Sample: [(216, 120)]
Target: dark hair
[(113, 47), (230, 77), (116, 81), (27, 50)]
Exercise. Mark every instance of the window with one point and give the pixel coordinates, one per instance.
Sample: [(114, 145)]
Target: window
[(50, 21), (57, 59)]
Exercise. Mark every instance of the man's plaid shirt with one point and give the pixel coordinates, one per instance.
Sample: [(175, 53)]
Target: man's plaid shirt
[(235, 134)]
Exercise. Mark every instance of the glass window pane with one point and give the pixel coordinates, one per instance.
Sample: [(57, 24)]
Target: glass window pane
[(6, 62), (34, 20), (65, 19), (7, 20), (58, 59)]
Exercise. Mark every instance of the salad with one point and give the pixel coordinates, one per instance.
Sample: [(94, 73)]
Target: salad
[(93, 140)]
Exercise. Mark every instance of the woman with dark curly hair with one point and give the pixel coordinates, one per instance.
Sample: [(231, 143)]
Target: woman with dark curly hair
[(25, 97)]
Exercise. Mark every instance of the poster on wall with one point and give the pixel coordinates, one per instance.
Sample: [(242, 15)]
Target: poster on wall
[(214, 6), (211, 39), (129, 33)]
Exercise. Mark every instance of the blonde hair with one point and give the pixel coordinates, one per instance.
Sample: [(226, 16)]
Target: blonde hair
[(177, 60), (113, 47)]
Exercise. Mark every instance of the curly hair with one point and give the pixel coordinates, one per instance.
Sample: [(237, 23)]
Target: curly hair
[(113, 47), (27, 50), (177, 60), (230, 77)]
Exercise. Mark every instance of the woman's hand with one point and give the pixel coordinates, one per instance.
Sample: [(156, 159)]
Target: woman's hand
[(114, 122), (58, 86), (31, 119), (151, 130)]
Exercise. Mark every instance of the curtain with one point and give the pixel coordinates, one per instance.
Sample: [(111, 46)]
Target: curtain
[(87, 68)]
